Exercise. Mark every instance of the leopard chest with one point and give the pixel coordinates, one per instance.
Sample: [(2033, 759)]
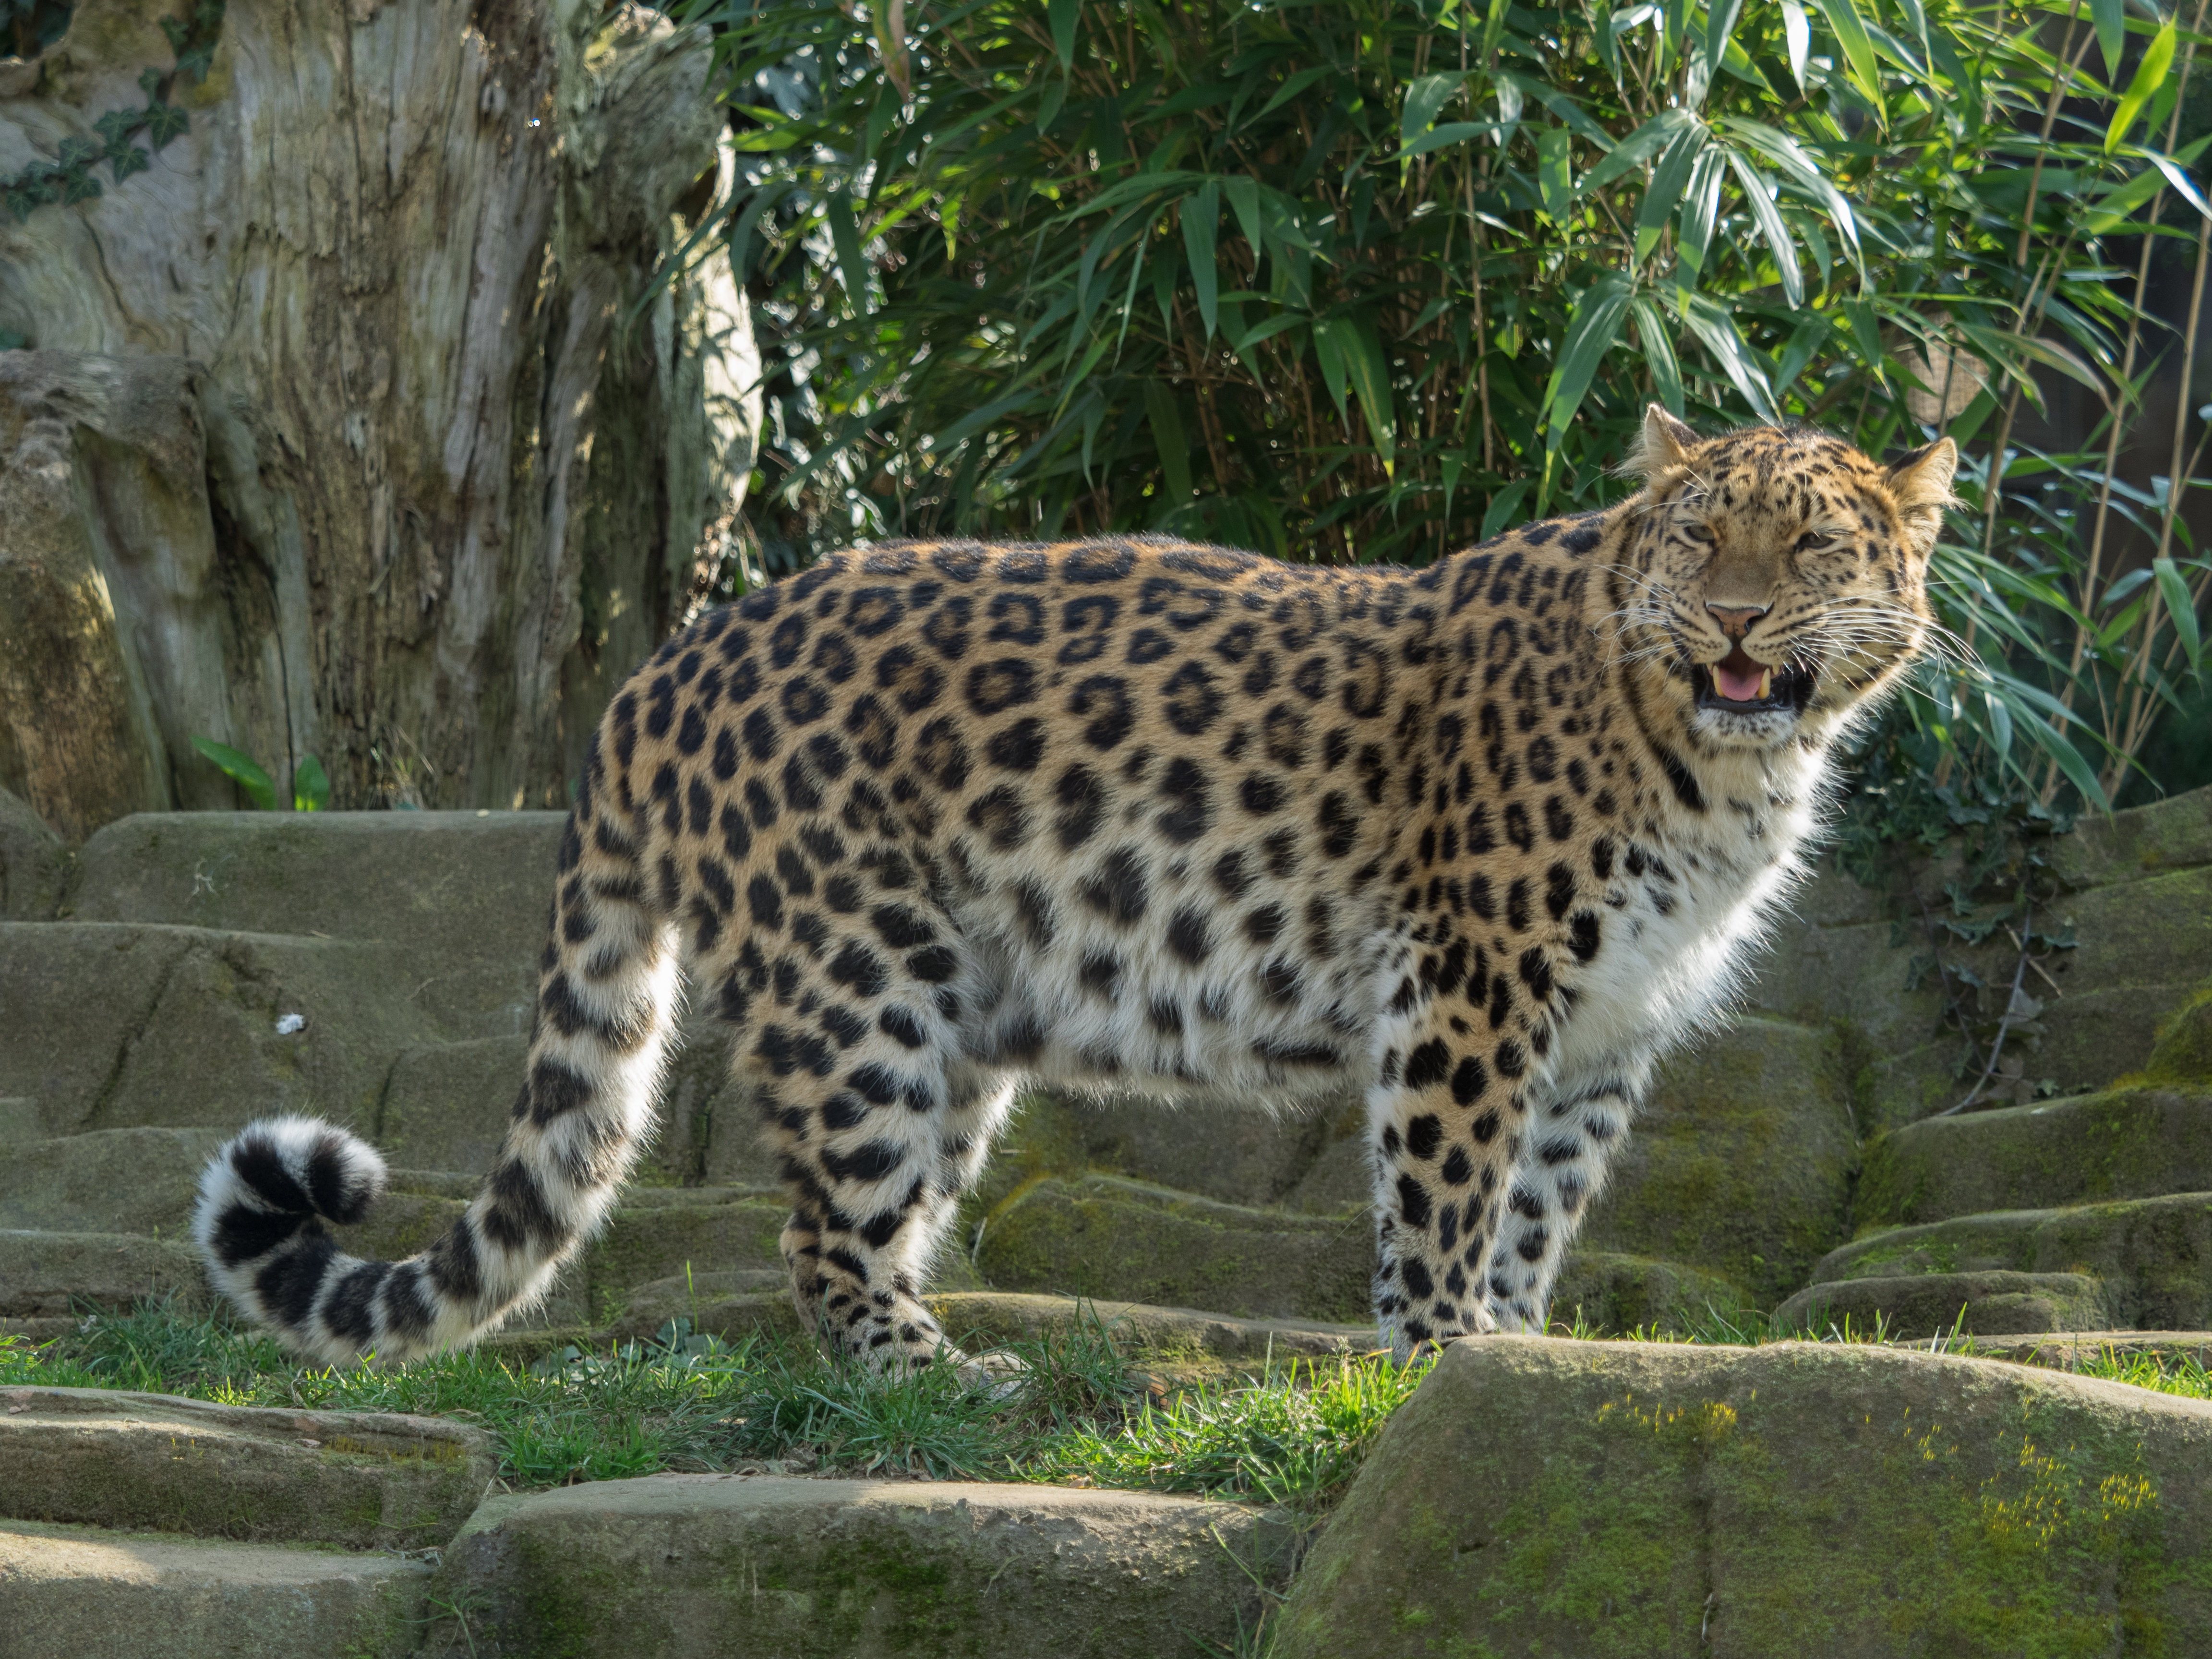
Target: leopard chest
[(1682, 914)]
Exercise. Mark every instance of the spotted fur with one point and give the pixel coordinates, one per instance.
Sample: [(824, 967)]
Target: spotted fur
[(1481, 840)]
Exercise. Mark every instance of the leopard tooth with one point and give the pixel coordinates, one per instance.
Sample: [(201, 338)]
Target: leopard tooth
[(1765, 680)]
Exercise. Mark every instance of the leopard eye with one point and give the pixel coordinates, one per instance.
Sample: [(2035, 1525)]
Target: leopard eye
[(1813, 541), (1697, 532)]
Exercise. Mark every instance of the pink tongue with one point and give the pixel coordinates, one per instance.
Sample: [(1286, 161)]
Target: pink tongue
[(1736, 687)]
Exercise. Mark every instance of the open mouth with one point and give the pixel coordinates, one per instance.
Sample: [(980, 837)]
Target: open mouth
[(1743, 686)]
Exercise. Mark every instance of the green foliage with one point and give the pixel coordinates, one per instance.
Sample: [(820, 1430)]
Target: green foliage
[(311, 784), (1374, 280), (69, 178)]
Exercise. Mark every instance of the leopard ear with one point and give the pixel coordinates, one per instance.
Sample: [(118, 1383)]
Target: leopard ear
[(1663, 445), (1920, 482)]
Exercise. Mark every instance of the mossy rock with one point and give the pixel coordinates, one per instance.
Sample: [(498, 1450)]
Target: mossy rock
[(1654, 1501), (703, 1230), (1613, 1294), (687, 1564), (1917, 1305), (2169, 835), (57, 1275), (1740, 1164), (2152, 1255), (1115, 1240), (2183, 1053), (351, 1479), (112, 1181), (2125, 1143), (97, 1593)]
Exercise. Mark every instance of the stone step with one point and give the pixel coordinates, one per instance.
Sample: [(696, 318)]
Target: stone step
[(156, 1463), (2123, 1143), (94, 1594), (2152, 1256), (1992, 1303), (55, 1275), (2183, 1053), (762, 1566), (1109, 1238), (446, 1107), (2143, 918), (1822, 1501), (472, 886), (111, 1181), (114, 1025), (1740, 1162)]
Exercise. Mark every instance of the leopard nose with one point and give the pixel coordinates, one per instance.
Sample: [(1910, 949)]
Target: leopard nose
[(1735, 620)]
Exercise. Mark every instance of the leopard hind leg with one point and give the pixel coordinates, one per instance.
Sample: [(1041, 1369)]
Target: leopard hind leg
[(849, 1045)]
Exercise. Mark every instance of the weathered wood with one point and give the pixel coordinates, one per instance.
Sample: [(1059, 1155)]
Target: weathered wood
[(414, 436)]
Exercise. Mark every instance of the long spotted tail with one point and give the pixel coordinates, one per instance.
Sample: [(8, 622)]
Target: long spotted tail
[(606, 1002)]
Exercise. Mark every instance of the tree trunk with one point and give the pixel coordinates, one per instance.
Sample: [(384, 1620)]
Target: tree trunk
[(348, 434)]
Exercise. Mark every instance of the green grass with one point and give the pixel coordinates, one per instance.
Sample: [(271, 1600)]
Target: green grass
[(1292, 1434)]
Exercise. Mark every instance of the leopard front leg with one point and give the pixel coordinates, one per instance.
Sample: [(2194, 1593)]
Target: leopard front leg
[(1448, 1123), (1564, 1150)]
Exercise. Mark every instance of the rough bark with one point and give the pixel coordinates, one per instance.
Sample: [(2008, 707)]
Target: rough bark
[(373, 454)]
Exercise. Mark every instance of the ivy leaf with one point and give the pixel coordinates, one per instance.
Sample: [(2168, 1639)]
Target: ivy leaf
[(19, 203), (75, 152), (178, 31), (163, 122), (116, 126), (127, 159), (197, 61), (150, 83), (78, 186)]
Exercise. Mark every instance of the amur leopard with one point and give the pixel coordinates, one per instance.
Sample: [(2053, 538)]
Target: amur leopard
[(1481, 840)]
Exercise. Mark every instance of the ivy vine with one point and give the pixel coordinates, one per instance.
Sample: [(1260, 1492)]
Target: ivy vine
[(69, 178)]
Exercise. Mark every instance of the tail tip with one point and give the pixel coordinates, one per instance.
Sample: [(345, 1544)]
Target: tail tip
[(294, 1166)]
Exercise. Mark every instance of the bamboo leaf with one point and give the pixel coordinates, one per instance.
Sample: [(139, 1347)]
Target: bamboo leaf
[(1065, 14), (1717, 330), (1592, 331), (2149, 76), (851, 266), (1843, 21), (1668, 180), (1174, 450), (1243, 193), (1657, 345), (1700, 205), (1200, 214), (1452, 132), (1555, 176), (1720, 24), (1797, 33), (2173, 588), (1640, 146), (1771, 230), (1424, 98), (2111, 17), (1371, 379)]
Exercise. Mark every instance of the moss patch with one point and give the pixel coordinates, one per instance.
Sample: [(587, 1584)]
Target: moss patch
[(1798, 1499), (2138, 1142)]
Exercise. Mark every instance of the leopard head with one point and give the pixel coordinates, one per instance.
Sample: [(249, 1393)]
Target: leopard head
[(1776, 576)]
